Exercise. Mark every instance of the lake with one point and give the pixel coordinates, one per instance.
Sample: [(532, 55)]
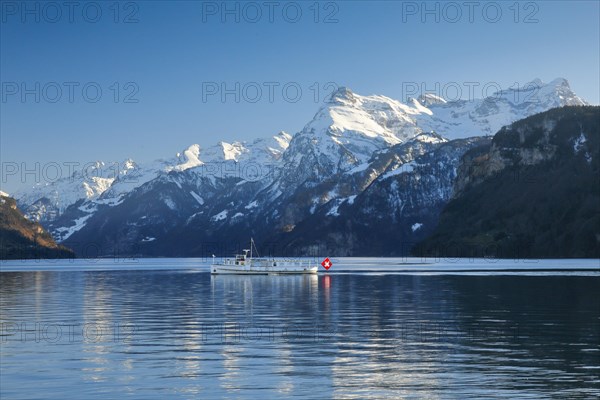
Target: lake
[(367, 329)]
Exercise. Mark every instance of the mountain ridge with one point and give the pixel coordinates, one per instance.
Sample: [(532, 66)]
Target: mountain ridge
[(532, 192), (24, 239), (271, 185)]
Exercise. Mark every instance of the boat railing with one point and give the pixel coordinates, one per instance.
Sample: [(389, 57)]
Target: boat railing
[(263, 260)]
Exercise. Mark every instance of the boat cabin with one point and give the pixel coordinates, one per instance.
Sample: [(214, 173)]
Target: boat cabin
[(240, 259)]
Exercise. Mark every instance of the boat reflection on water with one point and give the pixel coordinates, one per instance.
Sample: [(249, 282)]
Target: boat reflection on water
[(278, 287)]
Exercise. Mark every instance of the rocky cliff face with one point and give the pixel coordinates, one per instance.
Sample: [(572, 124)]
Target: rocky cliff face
[(21, 238), (513, 145), (532, 192), (402, 193)]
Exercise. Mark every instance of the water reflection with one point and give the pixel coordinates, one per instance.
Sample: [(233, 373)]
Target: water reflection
[(160, 334)]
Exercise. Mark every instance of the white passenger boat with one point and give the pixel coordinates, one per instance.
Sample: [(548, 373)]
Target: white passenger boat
[(249, 265)]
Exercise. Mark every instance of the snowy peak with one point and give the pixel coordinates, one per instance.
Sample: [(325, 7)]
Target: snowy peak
[(189, 159), (283, 139), (555, 83), (263, 150), (269, 150), (559, 93), (556, 93), (232, 151), (347, 130), (428, 99), (375, 117), (128, 165), (477, 117), (49, 199), (536, 82), (342, 96)]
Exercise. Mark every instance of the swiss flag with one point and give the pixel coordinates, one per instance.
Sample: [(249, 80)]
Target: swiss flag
[(326, 263)]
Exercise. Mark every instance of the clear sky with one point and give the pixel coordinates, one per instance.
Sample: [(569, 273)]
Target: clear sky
[(171, 56)]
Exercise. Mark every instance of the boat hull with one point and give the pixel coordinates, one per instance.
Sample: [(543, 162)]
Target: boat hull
[(261, 270)]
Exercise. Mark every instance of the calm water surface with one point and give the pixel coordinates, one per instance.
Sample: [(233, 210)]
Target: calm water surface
[(168, 329)]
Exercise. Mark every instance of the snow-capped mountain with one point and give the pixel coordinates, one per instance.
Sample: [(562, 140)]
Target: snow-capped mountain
[(274, 186), (262, 151), (461, 119), (45, 201), (345, 132), (348, 128), (106, 184)]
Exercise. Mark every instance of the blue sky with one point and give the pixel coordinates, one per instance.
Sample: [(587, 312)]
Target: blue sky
[(177, 50)]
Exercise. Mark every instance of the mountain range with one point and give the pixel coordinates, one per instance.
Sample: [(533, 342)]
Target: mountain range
[(368, 175)]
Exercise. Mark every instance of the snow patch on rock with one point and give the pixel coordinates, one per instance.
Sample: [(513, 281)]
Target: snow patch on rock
[(199, 199), (220, 216)]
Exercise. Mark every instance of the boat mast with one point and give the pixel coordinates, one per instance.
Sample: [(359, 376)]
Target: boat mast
[(252, 244)]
